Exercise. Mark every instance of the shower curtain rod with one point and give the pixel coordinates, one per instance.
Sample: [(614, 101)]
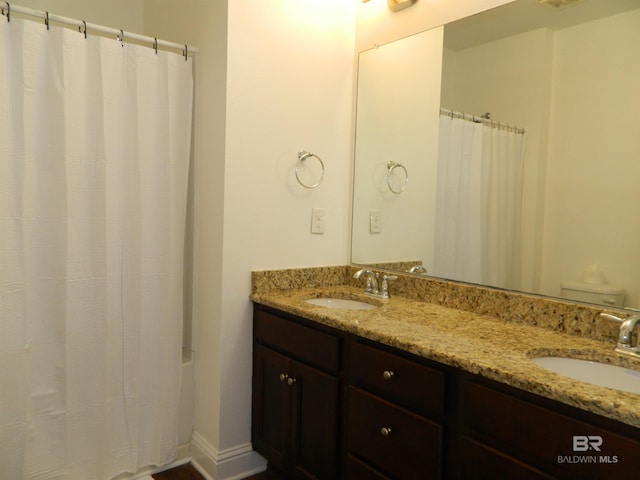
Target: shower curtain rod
[(484, 120), (8, 9)]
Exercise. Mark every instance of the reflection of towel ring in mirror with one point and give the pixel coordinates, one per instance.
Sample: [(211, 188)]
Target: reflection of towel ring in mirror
[(302, 156), (391, 166)]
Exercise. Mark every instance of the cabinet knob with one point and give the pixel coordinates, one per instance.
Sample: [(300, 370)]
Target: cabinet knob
[(385, 431), (283, 377), (291, 381), (387, 374)]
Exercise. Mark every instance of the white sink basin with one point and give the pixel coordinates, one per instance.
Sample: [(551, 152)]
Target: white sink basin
[(602, 374), (342, 303)]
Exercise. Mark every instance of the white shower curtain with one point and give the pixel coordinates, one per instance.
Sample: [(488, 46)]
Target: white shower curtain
[(478, 204), (94, 153), (502, 160), (458, 225)]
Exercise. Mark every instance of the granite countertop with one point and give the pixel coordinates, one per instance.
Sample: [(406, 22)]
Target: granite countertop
[(481, 344)]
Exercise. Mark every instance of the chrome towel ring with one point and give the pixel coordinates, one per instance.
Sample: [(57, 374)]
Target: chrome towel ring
[(391, 166), (302, 156)]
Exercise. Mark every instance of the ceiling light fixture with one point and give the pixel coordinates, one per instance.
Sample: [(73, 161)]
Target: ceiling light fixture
[(397, 5), (557, 3)]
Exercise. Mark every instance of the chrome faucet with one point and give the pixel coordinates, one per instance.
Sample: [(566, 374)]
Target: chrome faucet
[(373, 287), (626, 332), (418, 269), (372, 280), (624, 339)]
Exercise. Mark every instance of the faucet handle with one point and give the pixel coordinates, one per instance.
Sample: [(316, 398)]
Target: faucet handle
[(385, 284)]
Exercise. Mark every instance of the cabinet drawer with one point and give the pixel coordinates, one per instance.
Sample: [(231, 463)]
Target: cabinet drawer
[(406, 382), (304, 343), (545, 438), (480, 462), (412, 446), (357, 470)]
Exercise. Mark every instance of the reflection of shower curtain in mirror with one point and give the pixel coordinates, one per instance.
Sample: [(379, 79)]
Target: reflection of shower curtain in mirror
[(94, 153), (478, 203)]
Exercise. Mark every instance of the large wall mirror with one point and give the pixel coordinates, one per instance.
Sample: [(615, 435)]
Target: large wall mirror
[(504, 150)]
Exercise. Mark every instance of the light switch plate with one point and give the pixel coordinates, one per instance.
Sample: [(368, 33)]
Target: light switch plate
[(317, 220), (375, 221)]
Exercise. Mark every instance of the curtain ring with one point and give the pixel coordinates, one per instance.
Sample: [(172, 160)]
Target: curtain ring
[(302, 156), (186, 52), (155, 44), (8, 11), (46, 19), (391, 166), (121, 37), (85, 29)]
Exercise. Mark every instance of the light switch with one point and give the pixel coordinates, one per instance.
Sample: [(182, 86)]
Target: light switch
[(317, 220), (375, 221)]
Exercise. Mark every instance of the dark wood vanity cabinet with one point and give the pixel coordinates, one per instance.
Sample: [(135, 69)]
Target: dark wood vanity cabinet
[(296, 394), (330, 405), (507, 433), (394, 412)]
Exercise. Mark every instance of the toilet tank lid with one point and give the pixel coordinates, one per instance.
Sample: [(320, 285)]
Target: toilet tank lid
[(593, 288)]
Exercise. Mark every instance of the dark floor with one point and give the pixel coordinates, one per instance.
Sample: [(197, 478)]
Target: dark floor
[(188, 472)]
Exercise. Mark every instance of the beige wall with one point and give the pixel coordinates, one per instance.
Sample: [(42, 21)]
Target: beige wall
[(289, 87), (593, 155)]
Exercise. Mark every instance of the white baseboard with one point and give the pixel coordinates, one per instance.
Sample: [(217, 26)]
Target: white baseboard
[(230, 464)]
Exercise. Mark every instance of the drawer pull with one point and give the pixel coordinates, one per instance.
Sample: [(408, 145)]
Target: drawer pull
[(385, 431), (283, 377), (388, 374), (291, 381)]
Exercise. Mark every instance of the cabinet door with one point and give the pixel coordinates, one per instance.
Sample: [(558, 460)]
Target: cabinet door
[(271, 412), (315, 416)]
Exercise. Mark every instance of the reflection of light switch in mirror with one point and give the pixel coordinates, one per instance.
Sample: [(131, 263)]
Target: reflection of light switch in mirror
[(375, 221)]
